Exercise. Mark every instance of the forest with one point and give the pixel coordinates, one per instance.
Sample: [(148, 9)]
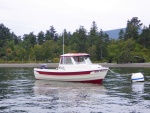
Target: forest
[(130, 46)]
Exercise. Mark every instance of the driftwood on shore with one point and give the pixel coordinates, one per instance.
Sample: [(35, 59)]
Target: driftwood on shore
[(54, 65)]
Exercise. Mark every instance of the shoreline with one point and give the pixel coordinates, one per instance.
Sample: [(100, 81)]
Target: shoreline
[(55, 65)]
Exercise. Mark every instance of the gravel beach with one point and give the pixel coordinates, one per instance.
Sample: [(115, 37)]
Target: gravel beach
[(54, 65)]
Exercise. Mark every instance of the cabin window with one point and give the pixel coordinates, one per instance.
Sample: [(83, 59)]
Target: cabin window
[(79, 59), (66, 60), (82, 59)]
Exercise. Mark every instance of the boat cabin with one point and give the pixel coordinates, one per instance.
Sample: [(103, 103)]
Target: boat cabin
[(75, 59)]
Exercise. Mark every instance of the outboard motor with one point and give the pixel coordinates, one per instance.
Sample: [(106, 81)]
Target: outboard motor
[(43, 66)]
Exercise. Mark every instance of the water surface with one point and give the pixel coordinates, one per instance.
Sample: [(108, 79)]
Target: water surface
[(20, 92)]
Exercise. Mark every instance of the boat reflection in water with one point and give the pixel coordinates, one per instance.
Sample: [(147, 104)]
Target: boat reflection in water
[(138, 87), (68, 93)]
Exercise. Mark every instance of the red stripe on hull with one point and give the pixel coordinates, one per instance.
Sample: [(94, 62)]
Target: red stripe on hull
[(64, 73)]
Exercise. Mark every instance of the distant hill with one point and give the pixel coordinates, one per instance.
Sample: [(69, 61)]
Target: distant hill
[(114, 33)]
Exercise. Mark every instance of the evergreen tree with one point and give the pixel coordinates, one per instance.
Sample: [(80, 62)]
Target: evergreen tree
[(132, 28), (145, 37), (40, 38), (50, 34), (81, 39), (5, 35), (30, 39), (93, 34), (121, 34)]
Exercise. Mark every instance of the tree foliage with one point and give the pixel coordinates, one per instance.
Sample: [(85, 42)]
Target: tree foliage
[(131, 45), (132, 28)]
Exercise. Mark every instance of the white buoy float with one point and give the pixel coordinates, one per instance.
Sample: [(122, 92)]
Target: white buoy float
[(137, 77)]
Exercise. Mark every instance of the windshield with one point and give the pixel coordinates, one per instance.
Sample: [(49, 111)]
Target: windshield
[(82, 60)]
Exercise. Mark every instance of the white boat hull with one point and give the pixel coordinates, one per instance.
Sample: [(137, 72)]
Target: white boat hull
[(91, 76)]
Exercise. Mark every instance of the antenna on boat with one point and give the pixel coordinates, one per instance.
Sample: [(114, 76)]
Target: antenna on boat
[(63, 47), (63, 42)]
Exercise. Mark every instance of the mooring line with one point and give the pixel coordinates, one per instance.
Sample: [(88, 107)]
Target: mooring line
[(119, 73), (113, 72)]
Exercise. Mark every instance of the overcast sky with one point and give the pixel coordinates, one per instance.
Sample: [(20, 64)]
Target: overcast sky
[(25, 16)]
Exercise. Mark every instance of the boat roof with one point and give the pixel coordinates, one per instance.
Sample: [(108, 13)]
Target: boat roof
[(74, 54)]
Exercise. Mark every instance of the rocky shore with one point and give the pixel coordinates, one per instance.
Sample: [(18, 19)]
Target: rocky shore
[(54, 65)]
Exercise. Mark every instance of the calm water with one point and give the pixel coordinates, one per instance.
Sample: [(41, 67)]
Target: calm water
[(20, 92)]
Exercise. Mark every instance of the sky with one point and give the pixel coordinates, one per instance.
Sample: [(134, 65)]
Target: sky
[(26, 16)]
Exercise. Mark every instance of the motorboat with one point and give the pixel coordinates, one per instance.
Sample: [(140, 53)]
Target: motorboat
[(73, 67)]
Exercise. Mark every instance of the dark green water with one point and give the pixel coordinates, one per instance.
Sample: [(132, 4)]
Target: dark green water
[(21, 93)]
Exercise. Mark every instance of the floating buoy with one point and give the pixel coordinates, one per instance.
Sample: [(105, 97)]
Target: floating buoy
[(137, 77)]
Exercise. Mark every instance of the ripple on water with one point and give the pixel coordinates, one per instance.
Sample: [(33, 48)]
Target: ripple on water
[(21, 93)]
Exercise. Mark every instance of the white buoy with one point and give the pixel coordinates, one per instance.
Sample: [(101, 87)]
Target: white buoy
[(137, 77)]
